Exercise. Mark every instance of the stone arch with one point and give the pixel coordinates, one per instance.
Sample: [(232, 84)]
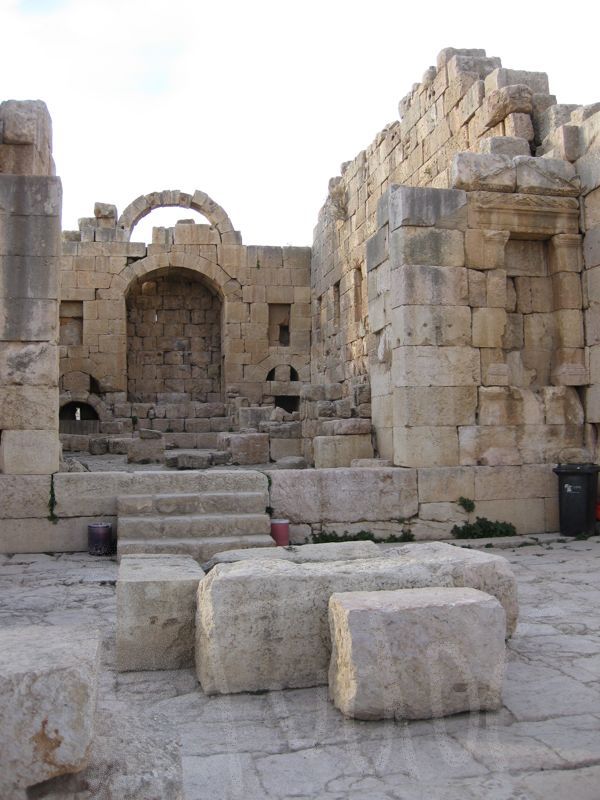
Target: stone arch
[(169, 198), (88, 399), (298, 364), (219, 281)]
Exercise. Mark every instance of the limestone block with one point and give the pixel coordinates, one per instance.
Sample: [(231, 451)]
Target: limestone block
[(346, 427), (436, 366), (146, 451), (434, 405), (377, 248), (33, 364), (569, 327), (285, 448), (532, 216), (445, 512), (339, 451), (28, 408), (477, 289), (591, 248), (537, 81), (246, 448), (305, 554), (445, 484), (476, 171), (429, 285), (509, 405), (527, 515), (252, 416), (421, 207), (591, 209), (29, 320), (501, 102), (282, 638), (565, 253), (510, 146), (508, 483), (495, 371), (426, 446), (30, 195), (546, 176), (48, 684), (496, 288), (491, 445), (489, 325), (427, 246), (13, 488), (431, 325), (343, 495), (29, 452), (485, 249), (534, 295), (519, 126), (416, 653), (566, 290), (562, 406), (568, 367), (156, 606)]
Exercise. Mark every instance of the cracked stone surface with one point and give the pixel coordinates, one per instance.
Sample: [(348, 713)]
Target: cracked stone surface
[(544, 744)]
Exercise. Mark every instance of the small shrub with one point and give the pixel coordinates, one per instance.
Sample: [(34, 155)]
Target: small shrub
[(483, 528), (467, 504), (361, 536)]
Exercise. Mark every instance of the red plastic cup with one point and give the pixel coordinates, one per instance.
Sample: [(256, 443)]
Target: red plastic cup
[(280, 532)]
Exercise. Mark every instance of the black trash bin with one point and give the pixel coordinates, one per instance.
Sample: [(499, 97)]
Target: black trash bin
[(577, 494)]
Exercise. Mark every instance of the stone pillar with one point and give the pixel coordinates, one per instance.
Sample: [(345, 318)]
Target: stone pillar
[(30, 246)]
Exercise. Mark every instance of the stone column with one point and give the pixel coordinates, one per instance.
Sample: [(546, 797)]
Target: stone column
[(30, 246)]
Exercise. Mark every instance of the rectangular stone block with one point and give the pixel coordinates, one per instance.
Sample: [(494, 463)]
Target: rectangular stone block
[(339, 451), (26, 195), (434, 405), (485, 249), (283, 448), (426, 446), (435, 366), (445, 484), (32, 277), (548, 176), (422, 207), (34, 364), (489, 326), (48, 690), (431, 325), (29, 452), (429, 285), (482, 171), (245, 448), (565, 253), (377, 248), (416, 653), (509, 405), (343, 495), (156, 607), (28, 320), (533, 216), (27, 235), (527, 515), (426, 246), (282, 639), (28, 408), (520, 482)]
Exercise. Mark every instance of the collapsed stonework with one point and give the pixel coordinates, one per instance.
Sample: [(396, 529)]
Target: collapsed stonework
[(445, 320)]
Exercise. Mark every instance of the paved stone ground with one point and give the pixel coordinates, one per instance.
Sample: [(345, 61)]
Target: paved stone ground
[(543, 745)]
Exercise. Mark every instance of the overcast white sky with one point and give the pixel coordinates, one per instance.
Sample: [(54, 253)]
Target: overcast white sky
[(256, 102)]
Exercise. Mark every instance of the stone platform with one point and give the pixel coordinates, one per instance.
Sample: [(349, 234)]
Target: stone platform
[(544, 744)]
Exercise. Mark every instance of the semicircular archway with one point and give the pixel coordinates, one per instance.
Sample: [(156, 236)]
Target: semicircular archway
[(169, 198)]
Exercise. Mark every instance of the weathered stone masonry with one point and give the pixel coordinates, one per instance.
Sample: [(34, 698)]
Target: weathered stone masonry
[(445, 319)]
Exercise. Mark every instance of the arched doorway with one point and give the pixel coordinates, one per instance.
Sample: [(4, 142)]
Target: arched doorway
[(78, 418), (173, 338)]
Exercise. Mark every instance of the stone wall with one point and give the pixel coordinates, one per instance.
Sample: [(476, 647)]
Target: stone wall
[(100, 267), (30, 207)]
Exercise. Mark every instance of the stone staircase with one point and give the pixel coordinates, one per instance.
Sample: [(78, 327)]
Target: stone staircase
[(219, 515)]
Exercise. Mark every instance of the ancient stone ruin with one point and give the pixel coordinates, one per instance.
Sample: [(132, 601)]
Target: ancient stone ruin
[(442, 327), (432, 356)]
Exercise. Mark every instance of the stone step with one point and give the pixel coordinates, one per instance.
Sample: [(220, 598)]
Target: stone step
[(192, 503), (193, 526), (200, 549)]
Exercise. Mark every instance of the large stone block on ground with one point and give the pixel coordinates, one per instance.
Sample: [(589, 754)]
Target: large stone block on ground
[(339, 451), (343, 495), (416, 653), (146, 451), (156, 604), (263, 625), (48, 689), (304, 554)]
